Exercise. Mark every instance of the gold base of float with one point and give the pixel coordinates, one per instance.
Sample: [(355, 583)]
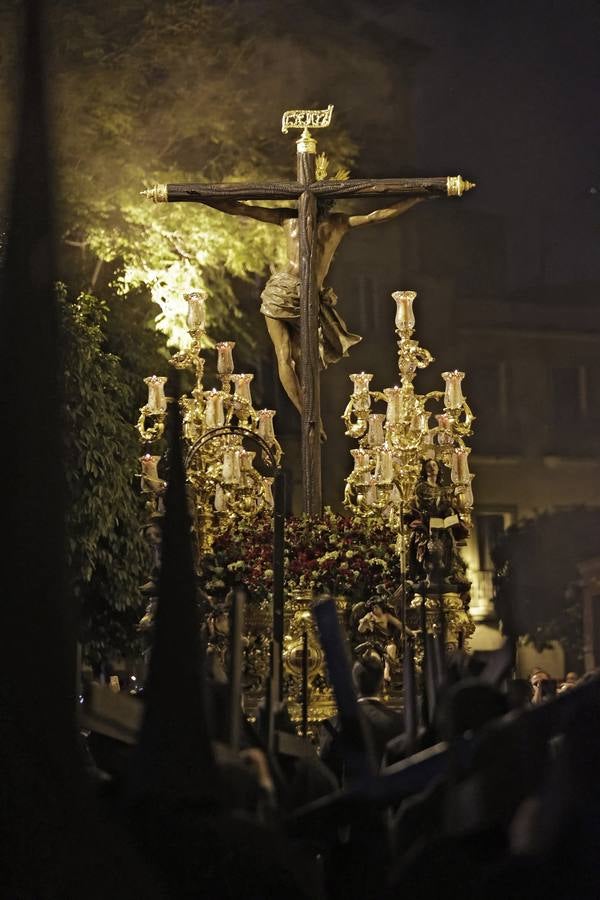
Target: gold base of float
[(458, 623), (298, 621), (321, 702), (458, 627)]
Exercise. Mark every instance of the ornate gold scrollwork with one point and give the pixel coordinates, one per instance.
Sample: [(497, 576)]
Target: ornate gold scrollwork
[(306, 118), (152, 432)]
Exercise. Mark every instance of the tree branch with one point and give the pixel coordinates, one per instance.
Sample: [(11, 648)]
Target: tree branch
[(81, 244), (98, 267)]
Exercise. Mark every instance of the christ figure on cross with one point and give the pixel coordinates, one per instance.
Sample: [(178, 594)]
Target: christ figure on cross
[(281, 295), (296, 296)]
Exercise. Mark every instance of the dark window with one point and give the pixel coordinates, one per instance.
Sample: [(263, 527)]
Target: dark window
[(489, 527), (575, 415), (567, 387), (488, 389)]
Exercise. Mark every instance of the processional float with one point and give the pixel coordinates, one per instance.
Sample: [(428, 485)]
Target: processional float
[(390, 481)]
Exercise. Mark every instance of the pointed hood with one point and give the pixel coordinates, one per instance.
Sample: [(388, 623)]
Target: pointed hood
[(174, 757), (39, 659), (53, 842)]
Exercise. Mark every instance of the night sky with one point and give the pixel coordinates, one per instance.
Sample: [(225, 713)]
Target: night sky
[(505, 92), (509, 96)]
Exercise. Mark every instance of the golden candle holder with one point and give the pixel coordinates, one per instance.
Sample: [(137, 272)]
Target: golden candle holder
[(388, 481), (393, 445), (224, 481)]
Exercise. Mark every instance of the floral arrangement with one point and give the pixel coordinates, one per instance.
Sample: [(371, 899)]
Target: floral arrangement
[(331, 554)]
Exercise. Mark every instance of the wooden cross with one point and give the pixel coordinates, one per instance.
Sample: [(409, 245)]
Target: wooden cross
[(306, 190)]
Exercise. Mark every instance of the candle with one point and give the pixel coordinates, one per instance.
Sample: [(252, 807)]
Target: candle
[(420, 423), (384, 468), (375, 435), (225, 357), (361, 399), (360, 382), (196, 314), (231, 473), (220, 500), (405, 317), (268, 491), (465, 495), (393, 398), (157, 402), (460, 465), (227, 466), (242, 388), (362, 466), (246, 458), (265, 426), (151, 483), (468, 495), (214, 414), (453, 397)]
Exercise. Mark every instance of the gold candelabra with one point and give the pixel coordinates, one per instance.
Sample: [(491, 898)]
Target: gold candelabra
[(222, 474), (394, 445)]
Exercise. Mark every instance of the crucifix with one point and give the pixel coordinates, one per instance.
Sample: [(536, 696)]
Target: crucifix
[(312, 238)]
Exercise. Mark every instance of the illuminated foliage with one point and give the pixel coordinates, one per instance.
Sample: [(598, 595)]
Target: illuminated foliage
[(147, 92), (106, 555)]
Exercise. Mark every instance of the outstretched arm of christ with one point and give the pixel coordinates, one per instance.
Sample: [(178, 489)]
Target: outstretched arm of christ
[(383, 215), (268, 214)]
